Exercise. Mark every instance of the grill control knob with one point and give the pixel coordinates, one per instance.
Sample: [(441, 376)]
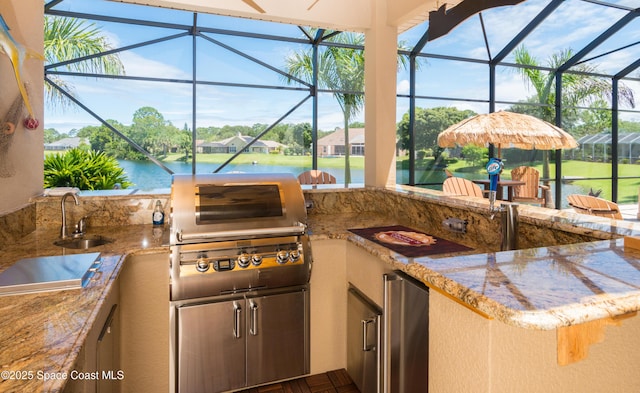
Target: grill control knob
[(282, 256), (256, 259), (244, 259), (202, 265), (294, 255)]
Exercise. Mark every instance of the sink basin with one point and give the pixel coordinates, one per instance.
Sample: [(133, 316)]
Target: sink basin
[(83, 242)]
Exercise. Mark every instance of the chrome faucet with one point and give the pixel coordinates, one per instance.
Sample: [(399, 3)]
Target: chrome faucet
[(63, 227)]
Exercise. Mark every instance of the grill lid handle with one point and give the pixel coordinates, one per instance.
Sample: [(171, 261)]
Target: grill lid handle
[(298, 229)]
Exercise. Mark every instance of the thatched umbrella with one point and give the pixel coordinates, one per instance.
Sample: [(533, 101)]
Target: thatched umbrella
[(507, 129)]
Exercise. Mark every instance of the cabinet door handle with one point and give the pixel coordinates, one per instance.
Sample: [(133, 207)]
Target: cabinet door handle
[(237, 317), (365, 341), (254, 318), (106, 329)]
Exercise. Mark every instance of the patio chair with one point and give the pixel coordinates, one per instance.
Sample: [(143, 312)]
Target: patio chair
[(532, 191), (316, 177), (462, 187), (594, 206)]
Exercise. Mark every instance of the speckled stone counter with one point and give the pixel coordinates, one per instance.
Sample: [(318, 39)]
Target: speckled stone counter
[(538, 288), (41, 334), (535, 288), (574, 278)]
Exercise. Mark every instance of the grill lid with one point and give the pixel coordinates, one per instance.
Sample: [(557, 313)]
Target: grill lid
[(207, 207)]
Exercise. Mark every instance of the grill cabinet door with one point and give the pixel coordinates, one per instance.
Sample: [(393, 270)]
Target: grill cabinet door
[(363, 342), (277, 345), (211, 347)]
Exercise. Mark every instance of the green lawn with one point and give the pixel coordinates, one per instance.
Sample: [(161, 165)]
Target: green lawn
[(627, 188), (573, 170), (357, 162)]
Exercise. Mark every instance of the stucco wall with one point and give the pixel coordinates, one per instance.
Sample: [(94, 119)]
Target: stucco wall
[(22, 161), (469, 353)]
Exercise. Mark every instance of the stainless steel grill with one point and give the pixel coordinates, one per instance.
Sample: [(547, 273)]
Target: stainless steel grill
[(237, 232), (240, 268)]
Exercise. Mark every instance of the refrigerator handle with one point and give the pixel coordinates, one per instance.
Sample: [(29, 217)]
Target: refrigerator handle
[(254, 318), (389, 281), (237, 317), (365, 340)]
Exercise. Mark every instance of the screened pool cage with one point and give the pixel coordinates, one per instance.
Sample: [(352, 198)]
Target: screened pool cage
[(218, 71)]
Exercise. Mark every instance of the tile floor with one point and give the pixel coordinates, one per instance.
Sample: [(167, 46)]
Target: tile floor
[(337, 381)]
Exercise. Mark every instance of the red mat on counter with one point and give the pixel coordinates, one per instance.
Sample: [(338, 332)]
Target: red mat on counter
[(408, 242)]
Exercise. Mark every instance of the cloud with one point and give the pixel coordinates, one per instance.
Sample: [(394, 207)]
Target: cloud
[(137, 65), (403, 87), (220, 105)]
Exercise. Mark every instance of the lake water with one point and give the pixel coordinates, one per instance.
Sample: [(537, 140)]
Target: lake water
[(148, 176)]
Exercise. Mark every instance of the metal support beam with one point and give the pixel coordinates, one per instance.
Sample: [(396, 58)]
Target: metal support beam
[(599, 40), (260, 135), (109, 126), (558, 153), (614, 140), (194, 92), (535, 22), (314, 93), (412, 120)]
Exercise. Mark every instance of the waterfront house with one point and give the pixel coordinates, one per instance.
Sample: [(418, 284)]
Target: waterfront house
[(333, 144), (239, 142), (66, 144)]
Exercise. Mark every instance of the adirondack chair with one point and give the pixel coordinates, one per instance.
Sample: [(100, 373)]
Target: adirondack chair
[(459, 186), (532, 191), (595, 206), (448, 172), (316, 177)]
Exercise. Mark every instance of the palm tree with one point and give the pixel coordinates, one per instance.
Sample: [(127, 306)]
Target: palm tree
[(340, 70), (577, 89), (66, 39)]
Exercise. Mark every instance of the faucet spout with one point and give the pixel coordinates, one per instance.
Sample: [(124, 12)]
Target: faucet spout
[(63, 227), (493, 209)]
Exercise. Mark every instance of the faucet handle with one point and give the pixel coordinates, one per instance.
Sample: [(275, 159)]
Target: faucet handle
[(81, 226)]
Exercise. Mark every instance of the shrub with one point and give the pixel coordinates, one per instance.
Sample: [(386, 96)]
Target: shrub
[(473, 154), (85, 169)]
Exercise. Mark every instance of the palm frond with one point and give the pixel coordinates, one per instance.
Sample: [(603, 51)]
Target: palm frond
[(68, 39)]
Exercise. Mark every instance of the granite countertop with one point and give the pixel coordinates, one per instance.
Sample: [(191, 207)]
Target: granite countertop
[(42, 333), (542, 288), (538, 288)]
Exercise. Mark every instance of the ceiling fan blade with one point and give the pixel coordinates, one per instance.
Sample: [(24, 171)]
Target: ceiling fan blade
[(314, 3), (255, 6)]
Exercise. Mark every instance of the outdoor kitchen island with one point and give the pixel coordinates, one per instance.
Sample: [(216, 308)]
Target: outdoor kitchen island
[(496, 318), (556, 318)]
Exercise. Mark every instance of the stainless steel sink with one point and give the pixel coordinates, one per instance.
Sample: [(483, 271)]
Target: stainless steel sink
[(83, 242)]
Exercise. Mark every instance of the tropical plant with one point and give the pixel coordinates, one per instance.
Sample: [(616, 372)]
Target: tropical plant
[(340, 69), (581, 88), (85, 169), (68, 39)]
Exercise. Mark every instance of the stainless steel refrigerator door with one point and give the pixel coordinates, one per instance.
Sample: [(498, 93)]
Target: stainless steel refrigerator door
[(363, 342), (406, 323), (211, 347), (277, 331)]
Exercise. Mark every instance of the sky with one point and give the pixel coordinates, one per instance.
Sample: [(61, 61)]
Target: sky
[(572, 25)]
